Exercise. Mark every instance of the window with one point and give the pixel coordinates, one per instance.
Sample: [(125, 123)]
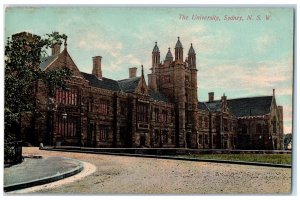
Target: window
[(214, 139), (142, 112), (66, 127), (258, 128), (164, 116), (156, 114), (66, 96), (165, 137), (103, 107), (200, 139), (200, 122), (90, 105), (123, 107), (103, 130), (213, 122), (225, 124), (156, 136), (206, 139), (206, 122)]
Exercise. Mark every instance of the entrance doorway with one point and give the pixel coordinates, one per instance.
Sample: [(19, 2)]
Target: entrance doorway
[(142, 141), (188, 140)]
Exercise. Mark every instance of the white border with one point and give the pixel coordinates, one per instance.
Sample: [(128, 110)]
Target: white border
[(173, 3)]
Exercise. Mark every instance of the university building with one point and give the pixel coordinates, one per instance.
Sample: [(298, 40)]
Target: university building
[(97, 111)]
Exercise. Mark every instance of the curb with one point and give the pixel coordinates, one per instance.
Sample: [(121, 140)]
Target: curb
[(44, 180), (177, 158)]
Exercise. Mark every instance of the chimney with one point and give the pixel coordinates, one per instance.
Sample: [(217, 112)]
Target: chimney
[(273, 92), (55, 49), (132, 72), (152, 82), (97, 71), (211, 96)]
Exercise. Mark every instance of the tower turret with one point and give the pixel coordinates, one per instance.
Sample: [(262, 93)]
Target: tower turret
[(155, 57), (178, 51), (192, 57)]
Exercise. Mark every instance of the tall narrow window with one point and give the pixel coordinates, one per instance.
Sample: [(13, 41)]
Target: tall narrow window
[(225, 124), (156, 136), (156, 114), (123, 108), (66, 127), (103, 107), (90, 104), (164, 116), (103, 130), (68, 97), (142, 112), (165, 137)]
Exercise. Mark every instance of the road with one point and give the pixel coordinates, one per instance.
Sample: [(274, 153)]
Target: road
[(133, 175)]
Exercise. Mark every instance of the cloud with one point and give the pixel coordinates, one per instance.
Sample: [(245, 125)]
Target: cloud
[(263, 42), (92, 41), (247, 75)]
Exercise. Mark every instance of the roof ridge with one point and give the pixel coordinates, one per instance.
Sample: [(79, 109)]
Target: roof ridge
[(250, 97)]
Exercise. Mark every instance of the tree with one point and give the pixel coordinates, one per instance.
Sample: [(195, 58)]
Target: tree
[(23, 53), (288, 139)]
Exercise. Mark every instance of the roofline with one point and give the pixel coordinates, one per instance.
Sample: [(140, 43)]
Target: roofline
[(128, 78), (51, 62), (234, 99)]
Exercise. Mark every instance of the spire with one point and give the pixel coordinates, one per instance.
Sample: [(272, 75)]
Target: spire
[(192, 57), (178, 44), (191, 51), (65, 43), (169, 55), (142, 71), (155, 48)]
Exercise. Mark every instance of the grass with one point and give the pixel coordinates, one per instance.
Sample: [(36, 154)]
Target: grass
[(264, 158)]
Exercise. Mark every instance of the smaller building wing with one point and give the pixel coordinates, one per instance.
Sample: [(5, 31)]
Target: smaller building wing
[(252, 106)]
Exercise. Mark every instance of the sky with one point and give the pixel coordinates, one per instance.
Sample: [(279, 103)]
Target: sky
[(236, 55)]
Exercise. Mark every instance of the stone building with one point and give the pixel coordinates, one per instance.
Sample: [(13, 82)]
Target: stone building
[(97, 111)]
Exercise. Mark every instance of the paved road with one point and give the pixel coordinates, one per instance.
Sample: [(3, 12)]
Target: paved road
[(132, 175)]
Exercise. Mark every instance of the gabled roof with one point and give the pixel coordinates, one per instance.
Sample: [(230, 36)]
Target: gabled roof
[(249, 106), (214, 106), (45, 61), (255, 106), (103, 83), (158, 96), (130, 84), (202, 106)]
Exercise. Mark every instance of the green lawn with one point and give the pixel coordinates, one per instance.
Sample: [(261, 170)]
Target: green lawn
[(265, 158)]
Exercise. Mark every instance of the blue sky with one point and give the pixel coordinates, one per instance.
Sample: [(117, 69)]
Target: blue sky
[(238, 58)]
